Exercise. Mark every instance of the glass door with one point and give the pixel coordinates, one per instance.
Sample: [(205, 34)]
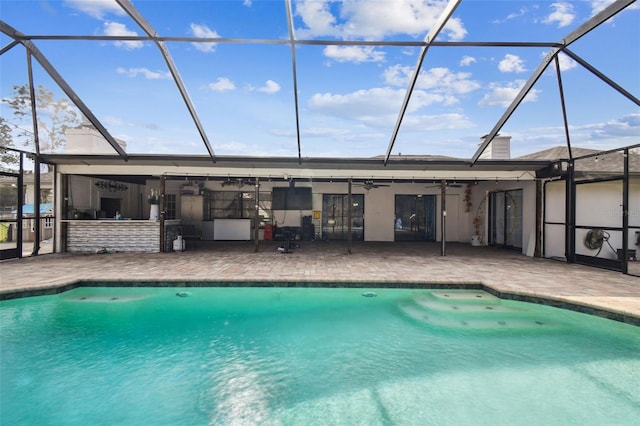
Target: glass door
[(415, 218), (505, 219), (335, 215)]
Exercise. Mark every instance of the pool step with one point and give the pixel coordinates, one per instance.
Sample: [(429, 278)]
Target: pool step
[(472, 310)]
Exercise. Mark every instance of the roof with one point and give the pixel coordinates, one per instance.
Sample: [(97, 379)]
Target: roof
[(590, 162), (558, 153)]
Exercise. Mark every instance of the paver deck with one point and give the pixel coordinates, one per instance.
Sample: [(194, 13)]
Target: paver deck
[(501, 270)]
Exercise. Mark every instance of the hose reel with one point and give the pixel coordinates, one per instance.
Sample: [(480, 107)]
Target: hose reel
[(596, 238)]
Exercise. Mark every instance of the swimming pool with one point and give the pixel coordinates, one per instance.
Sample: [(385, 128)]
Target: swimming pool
[(191, 356)]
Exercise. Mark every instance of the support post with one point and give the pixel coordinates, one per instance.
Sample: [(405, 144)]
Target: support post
[(162, 207), (443, 209), (349, 221), (570, 214), (256, 220)]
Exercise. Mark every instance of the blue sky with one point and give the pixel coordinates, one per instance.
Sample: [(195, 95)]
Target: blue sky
[(349, 96)]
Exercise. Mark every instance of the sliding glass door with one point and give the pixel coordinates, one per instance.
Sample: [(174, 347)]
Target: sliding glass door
[(505, 220), (415, 218)]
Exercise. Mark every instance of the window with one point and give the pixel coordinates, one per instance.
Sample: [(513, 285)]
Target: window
[(170, 206)]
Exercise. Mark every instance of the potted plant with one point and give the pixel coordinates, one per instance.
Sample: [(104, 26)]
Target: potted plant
[(153, 197), (154, 208)]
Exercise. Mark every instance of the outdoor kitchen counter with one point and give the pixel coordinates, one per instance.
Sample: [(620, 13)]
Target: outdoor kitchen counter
[(91, 236)]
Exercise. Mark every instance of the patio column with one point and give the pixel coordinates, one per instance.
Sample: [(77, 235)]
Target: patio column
[(443, 210), (256, 220)]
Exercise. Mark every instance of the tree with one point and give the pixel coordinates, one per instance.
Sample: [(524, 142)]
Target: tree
[(54, 117), (6, 140)]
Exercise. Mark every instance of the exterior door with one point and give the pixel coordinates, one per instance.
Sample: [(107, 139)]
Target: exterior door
[(335, 216), (505, 219), (415, 218)]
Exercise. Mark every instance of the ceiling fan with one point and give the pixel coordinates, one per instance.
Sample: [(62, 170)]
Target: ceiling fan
[(448, 184), (369, 184), (238, 182)]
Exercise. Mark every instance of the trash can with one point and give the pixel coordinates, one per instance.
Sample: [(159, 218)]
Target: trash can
[(268, 232)]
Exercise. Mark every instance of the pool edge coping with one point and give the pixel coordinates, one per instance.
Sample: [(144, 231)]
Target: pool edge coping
[(556, 302)]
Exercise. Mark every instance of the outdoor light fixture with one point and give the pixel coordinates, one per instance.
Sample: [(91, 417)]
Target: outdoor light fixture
[(111, 186)]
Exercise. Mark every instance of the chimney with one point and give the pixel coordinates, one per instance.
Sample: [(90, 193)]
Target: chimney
[(498, 149)]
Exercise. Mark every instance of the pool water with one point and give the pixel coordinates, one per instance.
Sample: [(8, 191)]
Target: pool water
[(303, 356)]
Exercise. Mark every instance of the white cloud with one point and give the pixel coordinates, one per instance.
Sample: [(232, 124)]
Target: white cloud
[(222, 84), (627, 126), (356, 54), (503, 95), (562, 15), (359, 105), (511, 63), (439, 80), (96, 8), (426, 123), (514, 15), (467, 60), (317, 17), (376, 107), (118, 29), (270, 87), (354, 19), (566, 62), (112, 121), (599, 5), (145, 72), (204, 32)]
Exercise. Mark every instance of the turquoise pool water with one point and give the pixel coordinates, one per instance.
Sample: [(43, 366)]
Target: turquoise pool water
[(304, 356)]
